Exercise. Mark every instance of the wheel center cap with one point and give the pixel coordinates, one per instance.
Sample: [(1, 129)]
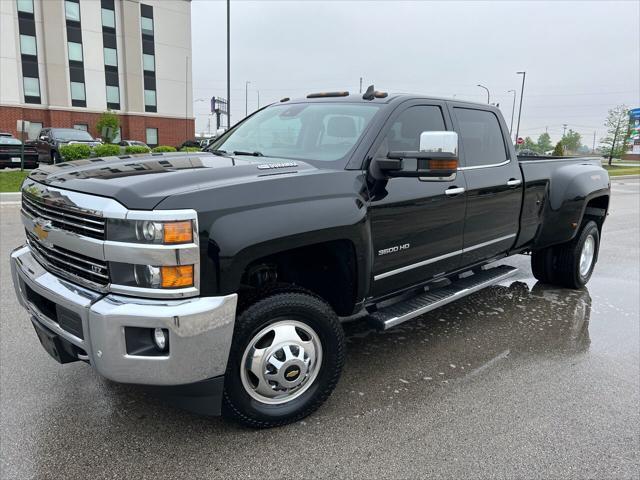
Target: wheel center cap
[(292, 373)]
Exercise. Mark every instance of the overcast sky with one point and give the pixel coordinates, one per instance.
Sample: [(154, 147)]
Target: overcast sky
[(581, 58)]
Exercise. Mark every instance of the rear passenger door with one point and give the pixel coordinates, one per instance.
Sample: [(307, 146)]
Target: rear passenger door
[(494, 183)]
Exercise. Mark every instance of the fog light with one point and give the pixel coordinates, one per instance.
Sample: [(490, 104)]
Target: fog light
[(161, 338)]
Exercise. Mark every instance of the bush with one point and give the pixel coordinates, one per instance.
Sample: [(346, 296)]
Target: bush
[(190, 149), (75, 151), (106, 150), (163, 148), (136, 149)]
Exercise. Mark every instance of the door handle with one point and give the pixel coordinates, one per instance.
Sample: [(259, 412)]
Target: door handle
[(513, 182), (451, 191)]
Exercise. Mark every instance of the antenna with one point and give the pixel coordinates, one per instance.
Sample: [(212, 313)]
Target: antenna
[(370, 93)]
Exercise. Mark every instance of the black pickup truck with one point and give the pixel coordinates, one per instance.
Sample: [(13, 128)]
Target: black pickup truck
[(224, 276)]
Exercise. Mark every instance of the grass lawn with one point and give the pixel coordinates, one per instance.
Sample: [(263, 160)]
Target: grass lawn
[(616, 170), (11, 180)]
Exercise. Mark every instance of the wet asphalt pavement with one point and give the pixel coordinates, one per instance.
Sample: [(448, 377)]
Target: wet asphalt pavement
[(518, 381)]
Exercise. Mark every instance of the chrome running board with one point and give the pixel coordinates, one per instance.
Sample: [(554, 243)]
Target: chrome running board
[(404, 310)]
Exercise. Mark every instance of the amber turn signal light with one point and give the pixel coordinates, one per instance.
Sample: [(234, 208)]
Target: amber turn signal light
[(178, 232), (178, 276), (443, 164)]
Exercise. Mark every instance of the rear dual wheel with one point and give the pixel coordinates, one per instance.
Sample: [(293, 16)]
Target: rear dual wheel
[(285, 360), (569, 264)]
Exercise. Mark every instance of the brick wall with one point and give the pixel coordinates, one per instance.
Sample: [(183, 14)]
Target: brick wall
[(171, 131)]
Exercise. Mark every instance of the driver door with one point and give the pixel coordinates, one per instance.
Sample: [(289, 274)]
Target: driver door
[(416, 225)]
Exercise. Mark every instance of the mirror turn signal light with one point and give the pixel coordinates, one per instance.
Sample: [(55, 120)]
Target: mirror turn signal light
[(178, 232), (443, 164), (176, 277)]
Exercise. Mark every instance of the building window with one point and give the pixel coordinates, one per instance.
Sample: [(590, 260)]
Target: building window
[(75, 51), (25, 6), (28, 45), (152, 137), (149, 62), (77, 91), (113, 94), (108, 18), (150, 98), (147, 25), (31, 87), (72, 10), (81, 126), (111, 57)]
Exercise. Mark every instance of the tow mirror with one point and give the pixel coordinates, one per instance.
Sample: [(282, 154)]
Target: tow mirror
[(436, 160)]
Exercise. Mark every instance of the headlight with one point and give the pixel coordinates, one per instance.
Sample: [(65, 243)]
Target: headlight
[(148, 231), (149, 276)]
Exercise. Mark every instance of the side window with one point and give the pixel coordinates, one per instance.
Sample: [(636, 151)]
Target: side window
[(481, 137), (405, 132)]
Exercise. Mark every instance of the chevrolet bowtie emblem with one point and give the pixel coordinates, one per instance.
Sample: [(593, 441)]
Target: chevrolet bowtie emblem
[(293, 374), (41, 228)]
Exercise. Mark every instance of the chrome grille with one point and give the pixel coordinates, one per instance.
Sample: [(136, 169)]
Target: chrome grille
[(69, 219), (70, 264)]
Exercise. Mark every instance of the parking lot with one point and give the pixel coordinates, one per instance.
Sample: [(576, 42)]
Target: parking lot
[(517, 381)]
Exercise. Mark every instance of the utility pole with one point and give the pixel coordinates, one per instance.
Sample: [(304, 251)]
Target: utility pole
[(186, 101), (593, 150), (513, 109), (564, 129), (524, 75), (246, 97), (488, 96), (258, 92), (228, 64), (360, 84)]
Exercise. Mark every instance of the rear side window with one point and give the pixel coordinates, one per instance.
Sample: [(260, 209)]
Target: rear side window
[(481, 137), (404, 134)]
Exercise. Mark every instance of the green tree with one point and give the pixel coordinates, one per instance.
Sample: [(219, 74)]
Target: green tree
[(544, 143), (614, 144), (572, 141), (108, 120), (559, 150), (529, 144)]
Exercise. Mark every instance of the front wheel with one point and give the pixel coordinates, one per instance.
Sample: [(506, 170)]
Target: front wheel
[(285, 360)]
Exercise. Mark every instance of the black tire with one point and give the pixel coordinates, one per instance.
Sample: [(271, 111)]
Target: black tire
[(560, 264), (567, 257), (542, 265), (306, 308)]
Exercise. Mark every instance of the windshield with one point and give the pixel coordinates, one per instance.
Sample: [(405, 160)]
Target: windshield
[(9, 141), (303, 131), (72, 134)]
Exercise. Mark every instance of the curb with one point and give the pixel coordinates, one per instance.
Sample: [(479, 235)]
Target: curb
[(9, 197), (625, 177)]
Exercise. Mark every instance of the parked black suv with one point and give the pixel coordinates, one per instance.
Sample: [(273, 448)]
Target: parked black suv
[(50, 140)]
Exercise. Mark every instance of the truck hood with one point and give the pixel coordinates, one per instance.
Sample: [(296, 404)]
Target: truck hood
[(143, 181)]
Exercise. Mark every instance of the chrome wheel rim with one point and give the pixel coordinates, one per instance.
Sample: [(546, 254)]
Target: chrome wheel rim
[(281, 362), (587, 255)]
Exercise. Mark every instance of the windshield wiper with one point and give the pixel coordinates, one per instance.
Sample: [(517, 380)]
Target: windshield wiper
[(220, 153), (254, 154)]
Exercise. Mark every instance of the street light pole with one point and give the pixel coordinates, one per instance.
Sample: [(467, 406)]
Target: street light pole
[(524, 75), (488, 96), (513, 109), (228, 64), (246, 97)]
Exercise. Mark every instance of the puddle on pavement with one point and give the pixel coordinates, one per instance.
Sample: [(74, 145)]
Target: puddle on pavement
[(465, 338)]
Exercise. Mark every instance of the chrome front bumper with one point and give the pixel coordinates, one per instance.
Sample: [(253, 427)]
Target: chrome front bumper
[(200, 329)]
